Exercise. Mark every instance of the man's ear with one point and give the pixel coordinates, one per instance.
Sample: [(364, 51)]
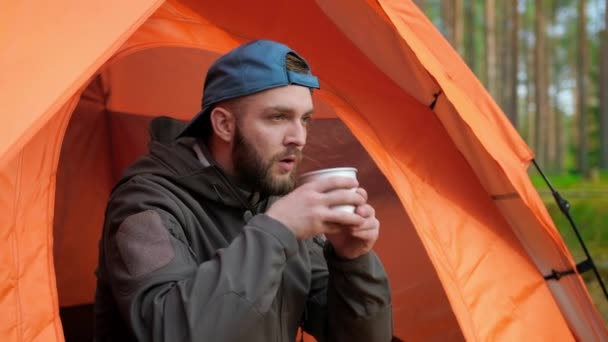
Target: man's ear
[(223, 123)]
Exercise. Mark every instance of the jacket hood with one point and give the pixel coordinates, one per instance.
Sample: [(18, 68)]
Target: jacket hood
[(174, 158)]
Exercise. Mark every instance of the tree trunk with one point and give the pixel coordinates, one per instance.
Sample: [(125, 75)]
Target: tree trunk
[(581, 82), (499, 43), (604, 93), (490, 47), (552, 125), (560, 138), (556, 137), (447, 20), (511, 107), (453, 23), (541, 86), (503, 43), (470, 37), (421, 4), (551, 128), (458, 26), (527, 108)]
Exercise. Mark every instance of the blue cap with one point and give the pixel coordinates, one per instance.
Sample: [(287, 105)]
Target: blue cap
[(250, 68)]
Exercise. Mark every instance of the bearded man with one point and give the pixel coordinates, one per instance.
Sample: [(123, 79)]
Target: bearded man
[(207, 237)]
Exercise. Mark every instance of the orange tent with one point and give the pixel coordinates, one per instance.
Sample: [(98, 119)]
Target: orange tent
[(465, 237)]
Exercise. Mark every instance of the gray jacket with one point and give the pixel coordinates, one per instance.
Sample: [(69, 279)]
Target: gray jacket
[(187, 256)]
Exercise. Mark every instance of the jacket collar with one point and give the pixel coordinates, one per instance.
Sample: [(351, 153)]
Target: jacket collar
[(177, 161)]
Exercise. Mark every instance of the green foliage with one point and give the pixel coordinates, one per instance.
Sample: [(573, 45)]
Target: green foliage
[(562, 47), (591, 217), (474, 38), (589, 210), (588, 197), (570, 181), (594, 131)]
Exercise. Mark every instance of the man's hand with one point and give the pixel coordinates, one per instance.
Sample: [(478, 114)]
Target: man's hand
[(307, 211), (350, 242)]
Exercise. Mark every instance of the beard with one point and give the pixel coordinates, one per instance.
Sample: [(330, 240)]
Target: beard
[(251, 169)]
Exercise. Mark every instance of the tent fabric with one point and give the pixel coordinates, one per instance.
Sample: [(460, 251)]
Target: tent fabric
[(511, 161), (73, 40), (42, 71), (466, 239)]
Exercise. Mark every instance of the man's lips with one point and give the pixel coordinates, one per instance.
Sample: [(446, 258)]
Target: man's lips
[(287, 163), (289, 159)]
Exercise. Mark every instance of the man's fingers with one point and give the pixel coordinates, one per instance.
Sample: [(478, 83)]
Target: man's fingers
[(342, 197), (343, 218), (365, 210), (366, 234), (363, 193)]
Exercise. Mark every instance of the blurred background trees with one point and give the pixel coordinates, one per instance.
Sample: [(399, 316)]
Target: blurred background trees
[(545, 64)]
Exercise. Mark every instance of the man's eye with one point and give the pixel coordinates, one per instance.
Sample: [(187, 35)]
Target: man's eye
[(277, 117)]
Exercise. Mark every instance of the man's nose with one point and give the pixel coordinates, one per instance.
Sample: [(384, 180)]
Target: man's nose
[(296, 134)]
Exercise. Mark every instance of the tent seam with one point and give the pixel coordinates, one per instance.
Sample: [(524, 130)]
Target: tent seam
[(446, 260), (17, 256), (109, 135), (474, 329), (415, 222), (51, 207), (526, 245)]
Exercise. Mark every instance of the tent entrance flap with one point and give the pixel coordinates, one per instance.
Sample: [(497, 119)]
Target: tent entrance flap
[(99, 144)]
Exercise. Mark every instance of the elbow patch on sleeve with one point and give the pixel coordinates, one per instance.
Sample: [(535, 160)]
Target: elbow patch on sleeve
[(143, 243)]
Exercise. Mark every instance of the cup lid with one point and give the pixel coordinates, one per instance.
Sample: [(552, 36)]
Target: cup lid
[(329, 170)]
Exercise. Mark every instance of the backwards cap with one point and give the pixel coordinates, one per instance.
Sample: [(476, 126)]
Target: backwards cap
[(250, 68)]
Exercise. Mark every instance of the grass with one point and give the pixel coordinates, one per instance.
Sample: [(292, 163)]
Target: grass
[(589, 209)]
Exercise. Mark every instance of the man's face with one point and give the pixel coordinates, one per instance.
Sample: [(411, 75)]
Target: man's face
[(269, 137)]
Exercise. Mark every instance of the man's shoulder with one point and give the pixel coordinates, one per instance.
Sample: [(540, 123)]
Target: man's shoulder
[(145, 183), (143, 192)]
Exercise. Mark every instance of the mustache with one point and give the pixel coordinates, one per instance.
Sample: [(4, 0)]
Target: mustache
[(290, 151)]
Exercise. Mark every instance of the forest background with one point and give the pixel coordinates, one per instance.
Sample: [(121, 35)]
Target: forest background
[(545, 62)]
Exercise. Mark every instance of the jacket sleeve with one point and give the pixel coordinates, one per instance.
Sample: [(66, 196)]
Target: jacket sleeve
[(164, 294), (349, 300)]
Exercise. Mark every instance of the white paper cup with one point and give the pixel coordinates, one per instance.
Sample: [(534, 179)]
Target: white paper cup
[(349, 172)]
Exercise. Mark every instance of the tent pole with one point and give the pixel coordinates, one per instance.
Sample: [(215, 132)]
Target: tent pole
[(564, 207)]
